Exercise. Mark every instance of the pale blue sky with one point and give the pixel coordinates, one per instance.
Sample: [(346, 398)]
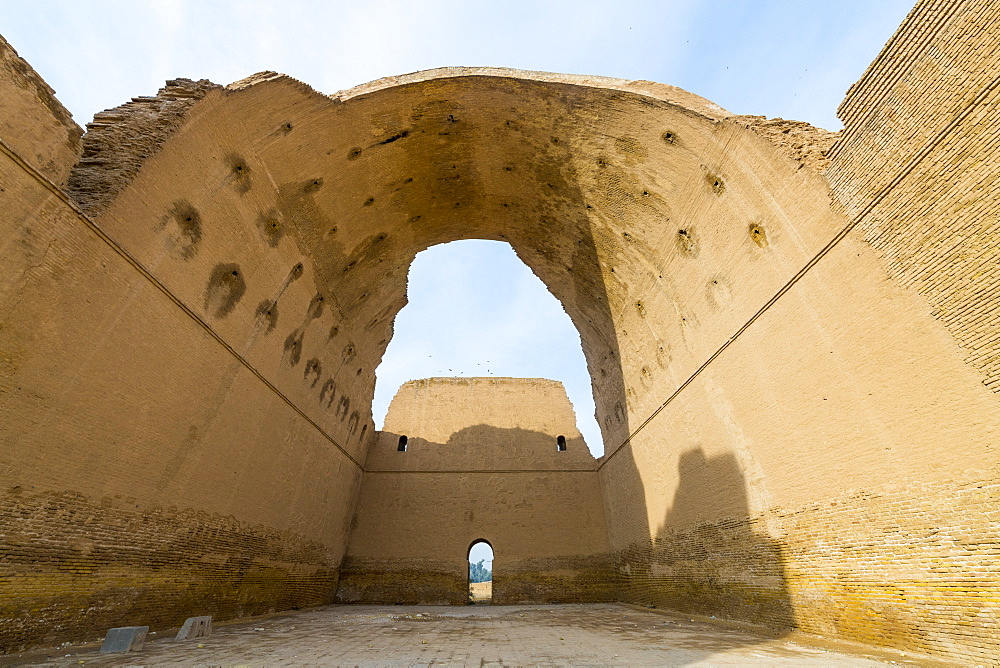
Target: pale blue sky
[(788, 58), (482, 551)]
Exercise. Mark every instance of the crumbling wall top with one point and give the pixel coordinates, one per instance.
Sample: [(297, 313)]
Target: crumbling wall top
[(33, 123)]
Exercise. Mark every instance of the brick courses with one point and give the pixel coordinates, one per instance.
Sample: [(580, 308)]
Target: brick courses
[(796, 372)]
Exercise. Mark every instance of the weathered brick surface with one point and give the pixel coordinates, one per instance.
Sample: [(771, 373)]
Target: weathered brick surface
[(72, 567), (119, 140), (145, 467), (481, 462), (916, 167), (871, 515), (33, 122), (798, 400), (883, 568)]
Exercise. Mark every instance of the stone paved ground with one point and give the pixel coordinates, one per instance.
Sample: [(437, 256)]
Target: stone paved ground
[(517, 635)]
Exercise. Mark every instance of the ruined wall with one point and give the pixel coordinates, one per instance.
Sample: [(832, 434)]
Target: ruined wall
[(481, 462), (836, 460), (794, 385), (917, 171), (148, 470), (33, 123)]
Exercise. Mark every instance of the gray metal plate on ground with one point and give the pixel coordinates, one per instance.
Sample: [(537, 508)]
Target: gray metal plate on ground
[(124, 639)]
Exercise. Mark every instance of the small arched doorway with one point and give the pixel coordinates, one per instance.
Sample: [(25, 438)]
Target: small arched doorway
[(480, 572)]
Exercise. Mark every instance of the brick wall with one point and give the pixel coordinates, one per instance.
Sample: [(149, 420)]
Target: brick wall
[(481, 462), (148, 469), (917, 169), (73, 568), (798, 400)]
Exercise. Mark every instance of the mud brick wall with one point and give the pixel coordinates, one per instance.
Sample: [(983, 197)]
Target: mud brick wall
[(917, 167), (33, 123), (148, 471), (794, 370), (481, 462), (73, 567), (827, 473), (904, 553), (917, 170)]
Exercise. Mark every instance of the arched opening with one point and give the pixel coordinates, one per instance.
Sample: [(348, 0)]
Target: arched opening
[(561, 443), (401, 446), (480, 558), (638, 219), (700, 262), (474, 309)]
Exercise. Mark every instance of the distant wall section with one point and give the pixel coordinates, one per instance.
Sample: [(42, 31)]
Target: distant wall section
[(481, 461)]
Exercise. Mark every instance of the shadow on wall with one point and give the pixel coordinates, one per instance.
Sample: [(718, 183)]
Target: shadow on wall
[(420, 508), (487, 446), (711, 556)]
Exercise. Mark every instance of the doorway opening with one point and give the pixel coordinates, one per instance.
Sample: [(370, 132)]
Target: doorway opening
[(480, 572), (475, 309)]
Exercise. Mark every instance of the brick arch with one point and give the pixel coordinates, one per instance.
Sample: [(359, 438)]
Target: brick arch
[(637, 204), (214, 316)]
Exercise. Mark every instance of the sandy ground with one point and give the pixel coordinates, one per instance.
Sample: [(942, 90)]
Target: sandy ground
[(481, 592), (518, 635)]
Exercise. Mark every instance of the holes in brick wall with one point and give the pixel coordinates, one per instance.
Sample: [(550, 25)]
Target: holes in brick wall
[(718, 292), (715, 183), (313, 369), (270, 228), (561, 443), (328, 392), (401, 446), (686, 242), (315, 307), (182, 225), (293, 347), (267, 314), (224, 290), (758, 234), (239, 173)]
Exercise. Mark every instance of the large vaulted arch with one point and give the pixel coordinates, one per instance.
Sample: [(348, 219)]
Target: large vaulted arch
[(193, 321), (659, 220)]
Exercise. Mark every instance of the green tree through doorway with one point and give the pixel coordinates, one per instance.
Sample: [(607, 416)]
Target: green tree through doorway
[(480, 560)]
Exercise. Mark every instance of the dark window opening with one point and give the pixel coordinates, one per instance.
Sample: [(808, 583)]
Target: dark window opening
[(402, 444), (561, 443)]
